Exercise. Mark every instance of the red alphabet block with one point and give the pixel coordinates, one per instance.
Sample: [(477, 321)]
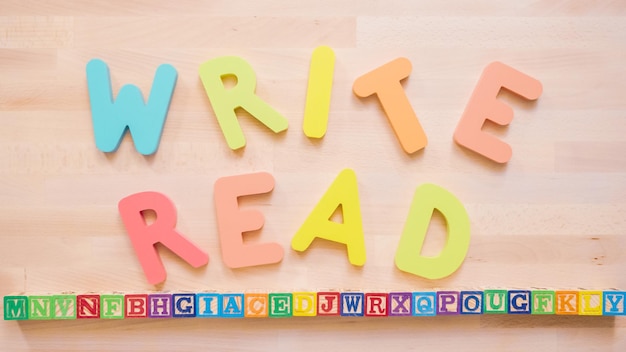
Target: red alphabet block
[(88, 307), (328, 303), (135, 306), (376, 304)]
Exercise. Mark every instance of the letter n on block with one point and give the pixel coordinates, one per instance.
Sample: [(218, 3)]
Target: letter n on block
[(424, 303), (376, 304), (88, 306), (136, 306), (15, 308), (566, 302), (328, 303), (352, 304), (613, 303), (40, 307)]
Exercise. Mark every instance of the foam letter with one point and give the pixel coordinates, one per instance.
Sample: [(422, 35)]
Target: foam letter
[(225, 101), (145, 121), (233, 222), (163, 230), (318, 92), (342, 193), (427, 198), (384, 81), (483, 105)]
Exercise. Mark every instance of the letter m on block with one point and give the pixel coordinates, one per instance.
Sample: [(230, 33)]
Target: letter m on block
[(144, 120)]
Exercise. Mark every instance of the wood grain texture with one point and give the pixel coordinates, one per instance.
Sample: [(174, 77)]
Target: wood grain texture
[(554, 216)]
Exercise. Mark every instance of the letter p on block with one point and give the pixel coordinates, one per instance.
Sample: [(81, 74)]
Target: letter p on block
[(483, 105)]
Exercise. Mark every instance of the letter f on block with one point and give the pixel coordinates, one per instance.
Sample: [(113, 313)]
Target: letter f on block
[(144, 120), (162, 230)]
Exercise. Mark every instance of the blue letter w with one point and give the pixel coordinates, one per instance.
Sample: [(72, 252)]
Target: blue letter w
[(111, 119)]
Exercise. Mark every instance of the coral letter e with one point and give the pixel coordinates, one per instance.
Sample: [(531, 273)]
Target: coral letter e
[(427, 198), (483, 105), (343, 194), (162, 230), (144, 120), (225, 101), (233, 222)]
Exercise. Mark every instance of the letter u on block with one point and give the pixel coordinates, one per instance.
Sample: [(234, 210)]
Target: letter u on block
[(483, 105)]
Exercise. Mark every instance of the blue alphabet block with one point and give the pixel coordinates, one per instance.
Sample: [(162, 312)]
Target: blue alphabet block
[(424, 303), (184, 305), (208, 305), (471, 302), (232, 305), (614, 303), (352, 304), (519, 301)]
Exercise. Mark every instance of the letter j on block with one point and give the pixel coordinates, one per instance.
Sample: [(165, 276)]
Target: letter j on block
[(144, 237), (483, 105), (428, 198)]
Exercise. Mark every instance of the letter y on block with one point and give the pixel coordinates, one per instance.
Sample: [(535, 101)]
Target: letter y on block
[(162, 230)]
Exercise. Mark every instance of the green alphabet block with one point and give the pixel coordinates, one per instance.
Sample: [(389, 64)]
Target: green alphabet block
[(40, 307), (112, 306), (64, 307), (15, 308), (496, 302), (543, 302), (280, 305)]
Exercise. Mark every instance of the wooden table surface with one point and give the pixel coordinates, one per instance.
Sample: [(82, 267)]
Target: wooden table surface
[(554, 216)]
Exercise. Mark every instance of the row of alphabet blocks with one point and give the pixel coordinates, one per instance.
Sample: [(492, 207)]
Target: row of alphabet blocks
[(275, 305)]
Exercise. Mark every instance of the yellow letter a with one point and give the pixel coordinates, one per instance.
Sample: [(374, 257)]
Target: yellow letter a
[(343, 192)]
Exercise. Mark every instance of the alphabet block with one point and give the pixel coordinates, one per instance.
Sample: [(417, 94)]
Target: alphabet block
[(160, 305), (519, 302), (328, 303), (495, 302), (543, 302), (424, 303), (352, 304), (280, 305), (400, 304), (39, 307), (112, 306), (590, 302), (64, 307), (304, 304), (448, 303), (16, 307), (376, 305), (232, 305), (184, 305), (88, 306), (136, 306), (471, 302), (566, 302), (208, 305), (613, 303), (256, 305)]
